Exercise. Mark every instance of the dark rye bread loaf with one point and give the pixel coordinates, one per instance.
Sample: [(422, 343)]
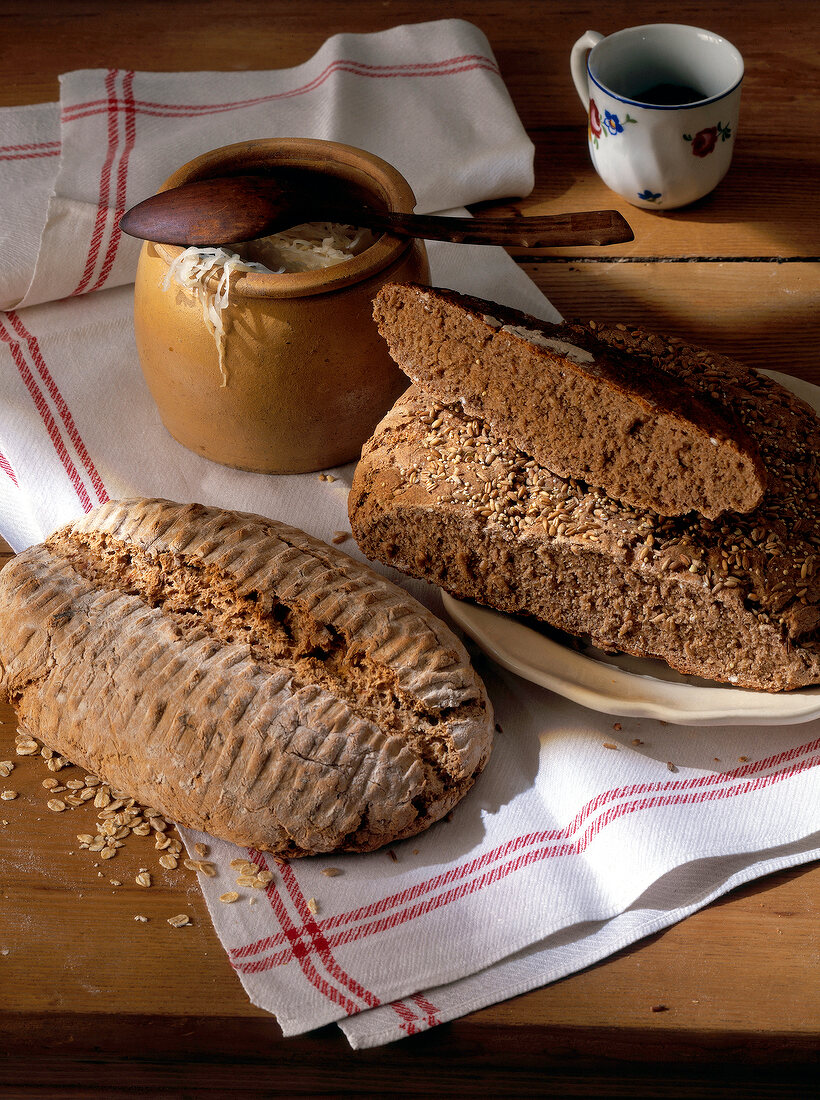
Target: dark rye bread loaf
[(438, 495), (241, 677), (581, 407)]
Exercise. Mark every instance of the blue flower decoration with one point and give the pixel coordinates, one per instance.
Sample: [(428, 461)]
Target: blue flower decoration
[(612, 123), (650, 196)]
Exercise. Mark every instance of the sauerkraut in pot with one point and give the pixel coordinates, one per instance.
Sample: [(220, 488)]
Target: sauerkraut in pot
[(307, 247)]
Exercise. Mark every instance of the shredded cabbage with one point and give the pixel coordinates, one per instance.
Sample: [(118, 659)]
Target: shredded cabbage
[(306, 247), (191, 269)]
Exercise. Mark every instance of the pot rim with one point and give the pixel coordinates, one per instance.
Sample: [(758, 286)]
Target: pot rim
[(334, 158)]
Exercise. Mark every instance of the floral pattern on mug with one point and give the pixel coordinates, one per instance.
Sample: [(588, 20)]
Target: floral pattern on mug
[(611, 124), (650, 196), (704, 141), (594, 119)]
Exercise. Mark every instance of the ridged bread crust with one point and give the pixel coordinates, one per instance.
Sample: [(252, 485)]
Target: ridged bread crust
[(242, 677)]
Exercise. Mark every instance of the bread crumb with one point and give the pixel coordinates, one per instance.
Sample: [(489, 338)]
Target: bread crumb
[(340, 536), (660, 1008), (637, 741), (609, 745), (742, 759), (313, 905), (201, 849), (617, 726), (181, 920), (139, 917), (331, 872), (671, 766), (392, 855)]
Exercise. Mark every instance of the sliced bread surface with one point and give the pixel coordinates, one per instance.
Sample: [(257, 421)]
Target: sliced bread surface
[(582, 407), (439, 495)]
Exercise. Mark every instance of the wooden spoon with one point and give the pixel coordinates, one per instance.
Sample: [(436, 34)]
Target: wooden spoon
[(227, 209)]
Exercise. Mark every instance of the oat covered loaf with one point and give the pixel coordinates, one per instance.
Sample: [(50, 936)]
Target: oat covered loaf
[(242, 677), (438, 495), (582, 407)]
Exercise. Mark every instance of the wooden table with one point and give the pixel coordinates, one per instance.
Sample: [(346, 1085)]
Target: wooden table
[(96, 1004)]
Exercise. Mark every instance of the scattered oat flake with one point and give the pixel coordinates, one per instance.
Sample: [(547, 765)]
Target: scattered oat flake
[(6, 768), (108, 853), (609, 745), (671, 766), (313, 905), (143, 879), (637, 741), (340, 536), (139, 917), (742, 759), (115, 882), (331, 872), (7, 796), (181, 920), (245, 880), (56, 804), (240, 864), (201, 849), (27, 748), (168, 861), (231, 895)]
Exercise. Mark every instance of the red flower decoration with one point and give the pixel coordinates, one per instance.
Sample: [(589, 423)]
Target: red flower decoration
[(704, 141), (594, 119)]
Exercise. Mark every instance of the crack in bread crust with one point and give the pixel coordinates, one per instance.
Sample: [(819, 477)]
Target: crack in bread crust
[(278, 636)]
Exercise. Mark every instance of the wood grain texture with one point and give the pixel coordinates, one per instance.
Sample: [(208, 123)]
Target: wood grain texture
[(117, 1008)]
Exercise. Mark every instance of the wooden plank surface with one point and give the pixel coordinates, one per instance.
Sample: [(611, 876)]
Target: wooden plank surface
[(116, 1007)]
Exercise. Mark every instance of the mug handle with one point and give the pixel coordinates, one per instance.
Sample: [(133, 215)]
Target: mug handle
[(578, 64)]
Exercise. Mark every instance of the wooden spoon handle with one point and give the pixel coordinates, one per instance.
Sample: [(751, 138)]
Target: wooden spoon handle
[(550, 230)]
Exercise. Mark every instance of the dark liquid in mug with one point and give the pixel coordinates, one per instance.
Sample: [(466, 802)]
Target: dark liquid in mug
[(669, 95)]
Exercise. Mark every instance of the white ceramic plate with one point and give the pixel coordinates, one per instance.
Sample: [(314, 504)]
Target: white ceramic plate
[(633, 686)]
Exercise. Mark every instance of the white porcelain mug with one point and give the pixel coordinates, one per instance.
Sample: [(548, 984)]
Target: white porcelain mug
[(662, 102)]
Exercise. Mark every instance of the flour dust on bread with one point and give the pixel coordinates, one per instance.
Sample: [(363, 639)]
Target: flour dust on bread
[(580, 406), (439, 495), (242, 677)]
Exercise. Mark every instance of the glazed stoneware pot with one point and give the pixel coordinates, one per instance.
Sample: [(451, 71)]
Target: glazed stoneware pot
[(306, 376)]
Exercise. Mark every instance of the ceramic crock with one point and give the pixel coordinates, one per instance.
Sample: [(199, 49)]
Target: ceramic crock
[(306, 376)]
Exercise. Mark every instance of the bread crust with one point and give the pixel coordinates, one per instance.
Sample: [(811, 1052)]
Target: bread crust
[(439, 495), (582, 407), (241, 677)]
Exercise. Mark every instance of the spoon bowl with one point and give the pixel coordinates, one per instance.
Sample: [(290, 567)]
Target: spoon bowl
[(226, 209)]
